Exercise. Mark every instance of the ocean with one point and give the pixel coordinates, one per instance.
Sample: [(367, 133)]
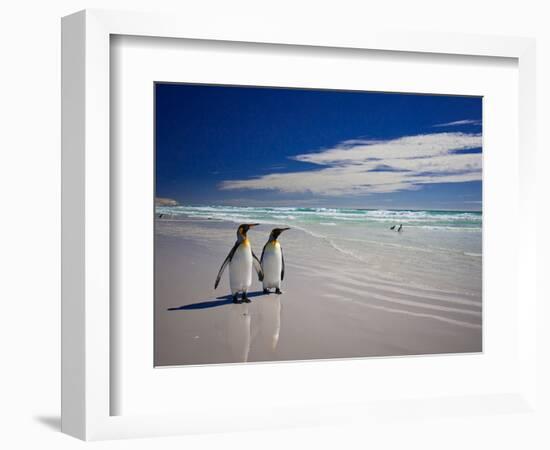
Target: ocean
[(428, 219)]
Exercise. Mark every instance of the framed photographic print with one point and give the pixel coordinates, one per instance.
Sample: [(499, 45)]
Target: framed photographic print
[(292, 215)]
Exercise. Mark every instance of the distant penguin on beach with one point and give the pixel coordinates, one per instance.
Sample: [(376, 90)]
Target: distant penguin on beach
[(273, 262), (241, 259), (393, 227), (400, 227)]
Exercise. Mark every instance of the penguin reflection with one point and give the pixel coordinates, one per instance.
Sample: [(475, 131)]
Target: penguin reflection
[(257, 327), (267, 322), (238, 333)]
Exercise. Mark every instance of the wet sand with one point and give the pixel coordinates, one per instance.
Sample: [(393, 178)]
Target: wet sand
[(332, 306)]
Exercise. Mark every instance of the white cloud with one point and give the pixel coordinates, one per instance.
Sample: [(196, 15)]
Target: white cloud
[(368, 166), (457, 123)]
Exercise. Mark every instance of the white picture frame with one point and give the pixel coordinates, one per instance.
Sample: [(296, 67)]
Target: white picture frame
[(86, 245)]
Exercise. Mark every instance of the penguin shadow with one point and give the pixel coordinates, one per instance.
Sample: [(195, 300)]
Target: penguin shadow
[(219, 301)]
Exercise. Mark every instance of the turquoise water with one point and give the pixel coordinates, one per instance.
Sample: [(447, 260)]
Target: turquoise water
[(326, 217)]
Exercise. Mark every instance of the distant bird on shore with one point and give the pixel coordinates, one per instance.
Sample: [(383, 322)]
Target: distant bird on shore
[(400, 227), (273, 262), (393, 227), (241, 259), (161, 216)]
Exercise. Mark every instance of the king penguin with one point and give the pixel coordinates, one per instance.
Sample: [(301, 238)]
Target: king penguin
[(241, 259), (273, 262)]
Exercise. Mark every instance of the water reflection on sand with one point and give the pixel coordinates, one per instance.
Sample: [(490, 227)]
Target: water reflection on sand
[(259, 326)]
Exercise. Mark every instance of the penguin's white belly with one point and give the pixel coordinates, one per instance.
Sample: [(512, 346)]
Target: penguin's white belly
[(240, 269), (272, 264)]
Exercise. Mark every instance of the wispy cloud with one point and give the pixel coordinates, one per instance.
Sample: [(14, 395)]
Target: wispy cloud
[(458, 123), (377, 166)]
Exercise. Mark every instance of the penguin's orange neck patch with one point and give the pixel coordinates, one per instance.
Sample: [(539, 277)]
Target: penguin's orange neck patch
[(246, 242)]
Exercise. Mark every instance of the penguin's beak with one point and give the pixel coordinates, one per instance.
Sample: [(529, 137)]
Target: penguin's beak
[(277, 231), (250, 225)]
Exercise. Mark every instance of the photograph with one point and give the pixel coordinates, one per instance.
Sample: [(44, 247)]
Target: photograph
[(295, 224)]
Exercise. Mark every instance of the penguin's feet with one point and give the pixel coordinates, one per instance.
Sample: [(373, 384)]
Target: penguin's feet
[(236, 300), (278, 291), (245, 299), (266, 291)]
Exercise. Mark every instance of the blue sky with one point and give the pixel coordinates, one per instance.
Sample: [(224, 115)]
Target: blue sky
[(253, 146)]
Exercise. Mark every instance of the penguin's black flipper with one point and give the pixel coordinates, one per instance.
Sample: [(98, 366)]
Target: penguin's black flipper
[(225, 263), (283, 265), (257, 266), (263, 251)]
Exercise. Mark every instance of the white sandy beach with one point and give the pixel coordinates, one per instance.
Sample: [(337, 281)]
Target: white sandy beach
[(385, 296)]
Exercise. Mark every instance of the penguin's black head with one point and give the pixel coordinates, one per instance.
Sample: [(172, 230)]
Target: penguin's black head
[(276, 232), (243, 229)]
